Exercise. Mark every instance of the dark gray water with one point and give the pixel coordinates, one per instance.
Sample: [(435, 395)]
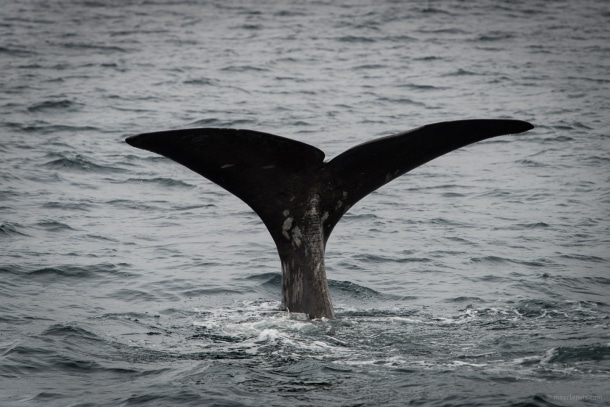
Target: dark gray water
[(481, 278)]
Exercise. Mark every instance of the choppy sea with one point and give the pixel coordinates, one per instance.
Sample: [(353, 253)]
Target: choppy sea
[(479, 279)]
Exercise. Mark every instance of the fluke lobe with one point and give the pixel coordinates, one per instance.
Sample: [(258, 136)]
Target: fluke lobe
[(299, 197)]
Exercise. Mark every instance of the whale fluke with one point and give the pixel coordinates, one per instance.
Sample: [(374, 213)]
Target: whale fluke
[(299, 197)]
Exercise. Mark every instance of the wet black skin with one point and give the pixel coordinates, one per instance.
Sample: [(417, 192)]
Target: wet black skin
[(299, 197)]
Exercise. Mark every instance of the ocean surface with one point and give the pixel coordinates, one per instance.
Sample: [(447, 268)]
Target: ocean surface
[(479, 279)]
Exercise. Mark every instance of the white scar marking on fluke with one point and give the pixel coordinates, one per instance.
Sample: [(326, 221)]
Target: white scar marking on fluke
[(268, 167), (286, 227), (324, 217), (296, 236), (226, 166), (286, 212), (340, 201)]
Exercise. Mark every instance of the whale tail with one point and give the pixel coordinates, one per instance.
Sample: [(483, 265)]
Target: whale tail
[(299, 197)]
